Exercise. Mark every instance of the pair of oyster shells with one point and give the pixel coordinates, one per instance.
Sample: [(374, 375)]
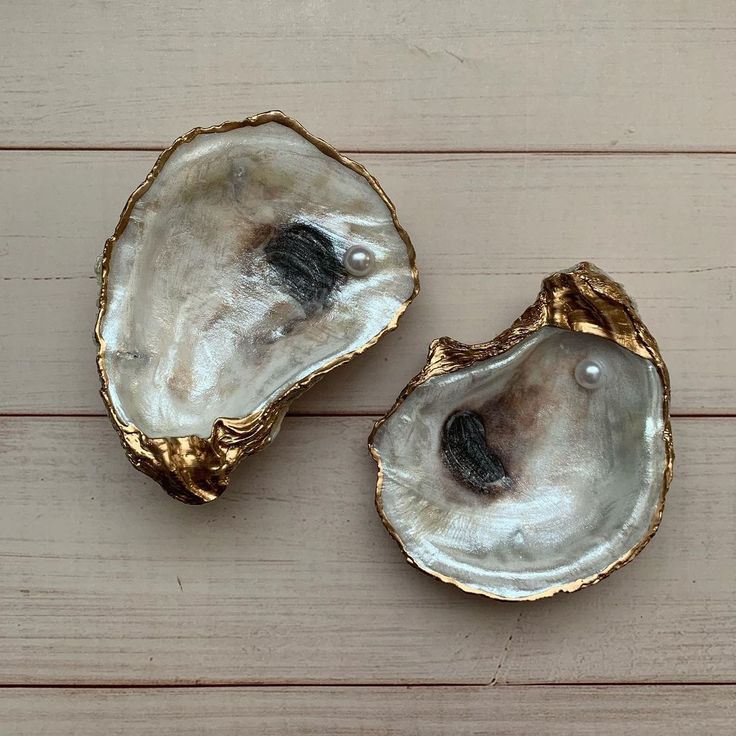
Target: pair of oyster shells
[(255, 258)]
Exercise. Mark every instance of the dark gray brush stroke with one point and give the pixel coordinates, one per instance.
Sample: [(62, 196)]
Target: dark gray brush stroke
[(466, 453), (305, 260)]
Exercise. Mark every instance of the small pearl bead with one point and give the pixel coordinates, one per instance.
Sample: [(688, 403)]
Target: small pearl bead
[(358, 261), (589, 373)]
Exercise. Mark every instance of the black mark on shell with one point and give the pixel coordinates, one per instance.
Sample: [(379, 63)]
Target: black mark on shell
[(305, 261), (466, 453)]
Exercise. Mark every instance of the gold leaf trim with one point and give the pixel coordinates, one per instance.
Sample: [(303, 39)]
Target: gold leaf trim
[(583, 299), (197, 469)]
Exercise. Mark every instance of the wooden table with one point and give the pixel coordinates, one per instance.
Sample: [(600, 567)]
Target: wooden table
[(516, 138)]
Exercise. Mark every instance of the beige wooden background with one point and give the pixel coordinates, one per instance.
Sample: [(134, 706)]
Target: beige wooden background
[(516, 138)]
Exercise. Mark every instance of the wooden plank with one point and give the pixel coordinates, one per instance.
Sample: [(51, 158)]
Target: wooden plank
[(374, 75), (503, 711), (290, 577), (486, 228)]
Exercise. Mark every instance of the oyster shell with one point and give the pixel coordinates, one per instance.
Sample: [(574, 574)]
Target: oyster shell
[(538, 462), (253, 260)]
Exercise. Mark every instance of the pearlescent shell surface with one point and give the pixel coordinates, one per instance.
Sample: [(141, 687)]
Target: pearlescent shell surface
[(583, 467), (201, 322)]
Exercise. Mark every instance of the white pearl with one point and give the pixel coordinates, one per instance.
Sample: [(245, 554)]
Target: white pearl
[(589, 373), (358, 261)]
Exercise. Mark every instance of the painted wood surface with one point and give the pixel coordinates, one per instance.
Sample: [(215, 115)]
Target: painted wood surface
[(516, 138), (290, 577), (374, 75), (354, 711), (487, 229)]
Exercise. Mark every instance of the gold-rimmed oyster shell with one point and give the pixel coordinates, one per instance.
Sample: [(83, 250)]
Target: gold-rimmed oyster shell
[(538, 462), (228, 289)]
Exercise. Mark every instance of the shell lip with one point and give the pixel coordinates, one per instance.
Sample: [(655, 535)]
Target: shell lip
[(193, 469), (603, 309)]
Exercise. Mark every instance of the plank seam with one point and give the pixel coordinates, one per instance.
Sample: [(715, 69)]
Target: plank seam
[(348, 685), (315, 415), (415, 151)]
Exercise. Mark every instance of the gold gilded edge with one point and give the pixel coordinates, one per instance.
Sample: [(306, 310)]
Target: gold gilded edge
[(583, 299), (194, 469)]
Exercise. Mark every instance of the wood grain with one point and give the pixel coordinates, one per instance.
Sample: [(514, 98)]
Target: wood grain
[(590, 130), (635, 74), (290, 577), (503, 711), (486, 228)]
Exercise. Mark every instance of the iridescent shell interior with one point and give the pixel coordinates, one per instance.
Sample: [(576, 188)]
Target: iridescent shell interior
[(516, 477), (226, 286)]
